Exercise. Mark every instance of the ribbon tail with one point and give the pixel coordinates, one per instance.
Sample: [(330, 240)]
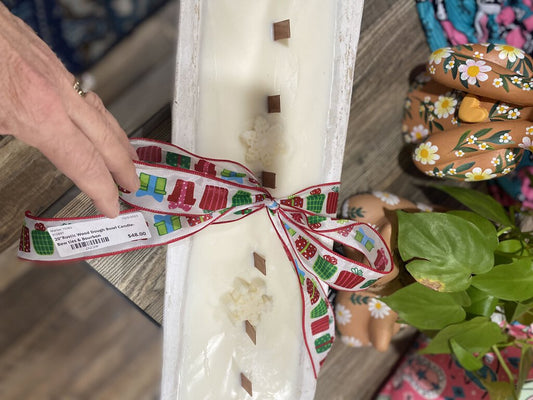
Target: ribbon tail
[(37, 244), (318, 321)]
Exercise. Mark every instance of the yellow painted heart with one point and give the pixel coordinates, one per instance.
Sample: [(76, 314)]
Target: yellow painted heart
[(471, 110)]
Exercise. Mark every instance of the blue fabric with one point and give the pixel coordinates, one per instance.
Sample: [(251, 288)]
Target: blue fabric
[(82, 31), (435, 35)]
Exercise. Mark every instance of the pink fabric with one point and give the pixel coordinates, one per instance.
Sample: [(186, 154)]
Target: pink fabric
[(527, 189), (528, 23), (454, 35), (506, 16), (516, 38)]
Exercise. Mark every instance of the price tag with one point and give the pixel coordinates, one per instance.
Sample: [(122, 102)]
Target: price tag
[(85, 236)]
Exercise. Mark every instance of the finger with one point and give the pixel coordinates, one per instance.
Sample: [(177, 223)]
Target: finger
[(74, 154), (94, 100), (101, 133)]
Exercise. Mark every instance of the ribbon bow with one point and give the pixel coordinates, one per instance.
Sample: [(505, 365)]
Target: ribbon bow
[(181, 194)]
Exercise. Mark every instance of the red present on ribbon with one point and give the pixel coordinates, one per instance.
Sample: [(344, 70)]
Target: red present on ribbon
[(320, 325), (381, 260), (214, 198), (294, 201), (348, 280), (331, 202), (192, 221), (182, 196), (149, 153), (259, 198), (312, 290), (206, 167), (306, 248), (24, 243)]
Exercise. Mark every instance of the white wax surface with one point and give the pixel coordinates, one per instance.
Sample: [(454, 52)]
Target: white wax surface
[(240, 66)]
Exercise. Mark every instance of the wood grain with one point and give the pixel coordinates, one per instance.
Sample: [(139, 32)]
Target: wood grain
[(29, 182), (392, 43), (67, 335)]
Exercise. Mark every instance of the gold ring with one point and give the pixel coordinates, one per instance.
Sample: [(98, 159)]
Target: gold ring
[(78, 89)]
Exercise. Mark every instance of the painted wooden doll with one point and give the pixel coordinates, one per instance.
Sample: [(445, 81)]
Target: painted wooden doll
[(362, 318), (471, 113)]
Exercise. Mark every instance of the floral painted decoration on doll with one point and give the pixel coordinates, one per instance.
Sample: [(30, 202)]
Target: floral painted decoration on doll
[(471, 113)]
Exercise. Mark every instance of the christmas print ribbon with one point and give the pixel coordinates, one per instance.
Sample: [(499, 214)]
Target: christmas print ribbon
[(181, 194)]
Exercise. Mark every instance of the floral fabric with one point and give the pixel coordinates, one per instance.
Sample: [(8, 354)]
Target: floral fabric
[(453, 22), (440, 377)]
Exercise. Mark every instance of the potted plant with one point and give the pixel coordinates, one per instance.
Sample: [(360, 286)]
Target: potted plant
[(473, 288)]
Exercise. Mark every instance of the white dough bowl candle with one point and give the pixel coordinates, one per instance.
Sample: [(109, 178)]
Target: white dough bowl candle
[(266, 84)]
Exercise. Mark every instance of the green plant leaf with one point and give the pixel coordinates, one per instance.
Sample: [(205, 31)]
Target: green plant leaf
[(512, 281), (462, 298), (499, 390), (483, 224), (520, 310), (511, 246), (446, 249), (481, 302), (425, 308), (481, 203), (476, 336), (438, 277), (465, 358)]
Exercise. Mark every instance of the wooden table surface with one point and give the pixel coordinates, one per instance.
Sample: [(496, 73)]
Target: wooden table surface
[(391, 44)]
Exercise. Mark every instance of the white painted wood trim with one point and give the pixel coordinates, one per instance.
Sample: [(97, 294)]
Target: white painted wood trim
[(184, 115)]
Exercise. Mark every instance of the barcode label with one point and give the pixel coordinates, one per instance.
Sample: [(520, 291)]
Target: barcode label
[(94, 234), (88, 242)]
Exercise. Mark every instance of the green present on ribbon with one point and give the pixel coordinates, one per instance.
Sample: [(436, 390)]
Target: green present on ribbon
[(315, 202), (159, 186), (323, 268), (233, 176), (241, 198), (320, 310), (178, 160), (323, 343), (315, 219), (243, 212), (42, 242), (166, 224), (365, 240)]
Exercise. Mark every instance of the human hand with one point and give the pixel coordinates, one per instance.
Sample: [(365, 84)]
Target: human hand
[(39, 106)]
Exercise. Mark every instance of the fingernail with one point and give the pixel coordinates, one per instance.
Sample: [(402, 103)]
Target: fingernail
[(116, 210), (110, 210), (135, 184)]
